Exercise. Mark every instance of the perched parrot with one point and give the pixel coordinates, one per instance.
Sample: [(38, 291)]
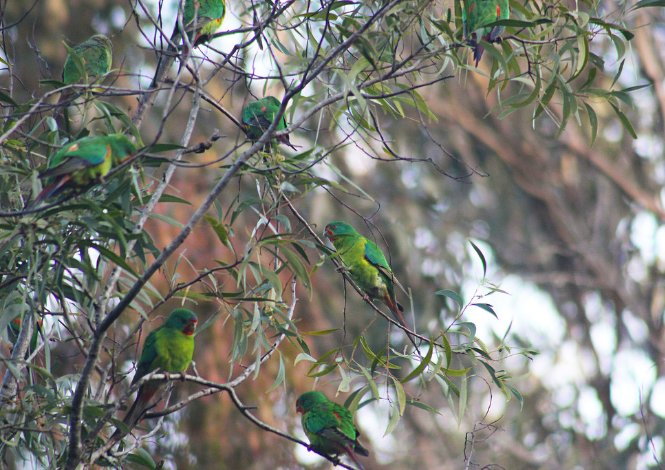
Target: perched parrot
[(14, 328), (258, 115), (96, 55), (169, 348), (478, 13), (84, 161), (200, 18), (329, 426), (367, 266)]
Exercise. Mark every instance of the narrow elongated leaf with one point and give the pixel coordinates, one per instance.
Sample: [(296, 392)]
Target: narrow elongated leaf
[(624, 121), (649, 3), (401, 395), (481, 256), (593, 122), (451, 294), (462, 399), (421, 367), (487, 307), (142, 458)]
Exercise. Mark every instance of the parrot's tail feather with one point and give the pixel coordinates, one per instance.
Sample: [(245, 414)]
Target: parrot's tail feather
[(49, 191), (137, 410), (166, 58), (284, 139), (478, 53), (353, 457), (162, 66), (144, 401), (133, 416), (397, 310), (359, 449)]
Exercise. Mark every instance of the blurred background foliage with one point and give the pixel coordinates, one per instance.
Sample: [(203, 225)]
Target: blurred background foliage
[(549, 156)]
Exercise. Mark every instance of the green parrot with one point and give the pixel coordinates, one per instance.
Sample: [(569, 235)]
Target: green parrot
[(169, 348), (83, 162), (96, 55), (14, 328), (478, 13), (200, 18), (367, 266), (258, 115), (329, 426)]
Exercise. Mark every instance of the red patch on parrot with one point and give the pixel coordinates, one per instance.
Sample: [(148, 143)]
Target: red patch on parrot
[(337, 415), (471, 8), (190, 328), (263, 109), (329, 233), (498, 11), (73, 148)]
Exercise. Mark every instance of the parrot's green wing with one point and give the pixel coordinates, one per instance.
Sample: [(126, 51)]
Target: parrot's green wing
[(203, 21), (375, 256), (93, 57), (319, 419), (344, 421), (84, 161), (201, 18), (259, 115), (77, 156), (476, 15), (148, 356)]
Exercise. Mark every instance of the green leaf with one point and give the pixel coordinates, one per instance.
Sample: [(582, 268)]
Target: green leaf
[(401, 395), (7, 99), (456, 372), (281, 372), (423, 406), (142, 458), (167, 219), (170, 198), (624, 121), (462, 399), (448, 349), (583, 55), (109, 255), (517, 395), (421, 367), (392, 422), (593, 122), (157, 148), (451, 294), (469, 326), (487, 308), (297, 266), (370, 381), (303, 357), (649, 3), (351, 403), (219, 228), (319, 332), (481, 256)]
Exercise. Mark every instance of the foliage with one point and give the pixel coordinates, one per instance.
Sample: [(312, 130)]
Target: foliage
[(86, 262)]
